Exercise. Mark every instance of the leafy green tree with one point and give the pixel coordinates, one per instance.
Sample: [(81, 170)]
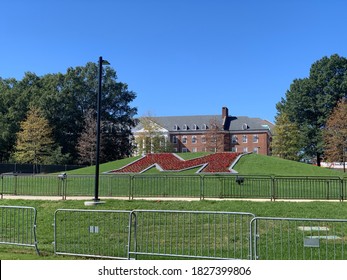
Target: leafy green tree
[(64, 100), (310, 101), (335, 133), (34, 140), (286, 139)]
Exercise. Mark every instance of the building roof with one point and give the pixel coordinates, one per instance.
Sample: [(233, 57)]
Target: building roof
[(202, 122)]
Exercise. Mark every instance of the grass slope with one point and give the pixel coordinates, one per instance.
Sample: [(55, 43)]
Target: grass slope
[(253, 164)]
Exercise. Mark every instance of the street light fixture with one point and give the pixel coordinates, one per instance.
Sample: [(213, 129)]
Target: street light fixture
[(96, 199)]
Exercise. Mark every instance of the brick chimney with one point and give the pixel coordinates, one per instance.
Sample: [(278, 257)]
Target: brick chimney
[(225, 112)]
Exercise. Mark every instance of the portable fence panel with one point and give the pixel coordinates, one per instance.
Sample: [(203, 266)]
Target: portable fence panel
[(307, 188), (236, 187), (191, 234), (18, 226), (299, 239), (165, 186), (92, 233)]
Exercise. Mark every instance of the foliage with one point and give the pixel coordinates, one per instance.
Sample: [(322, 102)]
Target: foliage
[(286, 139), (87, 143), (310, 101), (151, 138), (214, 138), (34, 140), (335, 133), (64, 100)]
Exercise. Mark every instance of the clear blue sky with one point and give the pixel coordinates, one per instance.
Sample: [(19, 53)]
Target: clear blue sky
[(181, 57)]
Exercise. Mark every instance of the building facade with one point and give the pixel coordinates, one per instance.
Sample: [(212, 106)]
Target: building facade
[(205, 133)]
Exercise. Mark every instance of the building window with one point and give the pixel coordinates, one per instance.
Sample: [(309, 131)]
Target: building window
[(175, 127), (194, 150), (203, 139), (184, 150), (245, 149), (174, 139), (234, 139), (244, 138), (185, 127), (195, 127), (234, 149), (255, 138), (184, 139), (194, 140), (256, 150)]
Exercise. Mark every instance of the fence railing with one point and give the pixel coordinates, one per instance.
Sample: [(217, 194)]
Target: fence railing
[(92, 233), (299, 239), (36, 168), (191, 234), (18, 226), (191, 186), (172, 234), (130, 234)]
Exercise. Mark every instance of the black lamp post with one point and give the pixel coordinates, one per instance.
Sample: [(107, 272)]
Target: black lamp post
[(98, 132)]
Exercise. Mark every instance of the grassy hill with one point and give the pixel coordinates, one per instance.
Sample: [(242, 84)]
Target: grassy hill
[(254, 164), (251, 164)]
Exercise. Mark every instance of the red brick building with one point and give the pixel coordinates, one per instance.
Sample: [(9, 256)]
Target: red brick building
[(216, 133)]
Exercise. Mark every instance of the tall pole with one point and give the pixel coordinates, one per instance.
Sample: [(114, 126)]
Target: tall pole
[(98, 120)]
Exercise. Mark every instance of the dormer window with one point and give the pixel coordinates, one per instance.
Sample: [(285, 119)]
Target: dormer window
[(195, 127), (204, 126), (175, 127), (185, 127), (245, 126)]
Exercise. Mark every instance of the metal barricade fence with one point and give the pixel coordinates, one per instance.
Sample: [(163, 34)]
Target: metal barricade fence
[(299, 239), (307, 188), (18, 226), (92, 233), (191, 234), (165, 186), (234, 186), (190, 186)]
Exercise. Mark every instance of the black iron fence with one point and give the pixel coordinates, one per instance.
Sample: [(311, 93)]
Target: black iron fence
[(173, 186), (22, 168)]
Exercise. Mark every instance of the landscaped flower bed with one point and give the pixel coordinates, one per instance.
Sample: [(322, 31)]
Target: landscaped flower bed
[(213, 163)]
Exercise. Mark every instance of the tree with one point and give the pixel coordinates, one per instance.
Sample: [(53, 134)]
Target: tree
[(151, 138), (310, 101), (214, 137), (87, 142), (34, 140), (64, 100), (286, 139), (335, 133)]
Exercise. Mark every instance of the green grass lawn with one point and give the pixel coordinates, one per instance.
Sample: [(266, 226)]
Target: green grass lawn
[(254, 164), (46, 209), (251, 164)]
